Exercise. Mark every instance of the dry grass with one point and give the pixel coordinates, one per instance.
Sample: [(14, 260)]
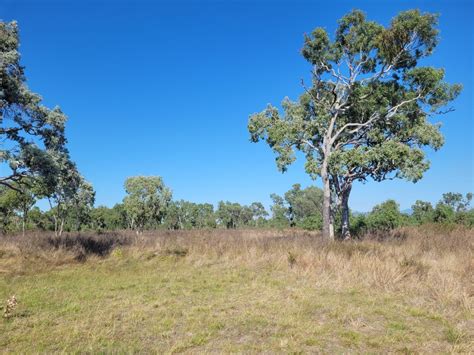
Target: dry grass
[(243, 290)]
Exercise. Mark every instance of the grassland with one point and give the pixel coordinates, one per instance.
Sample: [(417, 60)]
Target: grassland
[(239, 291)]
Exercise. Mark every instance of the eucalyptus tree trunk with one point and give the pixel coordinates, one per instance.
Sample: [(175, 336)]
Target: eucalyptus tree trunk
[(328, 228), (55, 225), (345, 223), (61, 227)]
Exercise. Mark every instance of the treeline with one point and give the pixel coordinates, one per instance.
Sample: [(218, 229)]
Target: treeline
[(149, 205)]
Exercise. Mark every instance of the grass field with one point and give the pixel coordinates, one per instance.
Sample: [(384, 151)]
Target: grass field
[(239, 291)]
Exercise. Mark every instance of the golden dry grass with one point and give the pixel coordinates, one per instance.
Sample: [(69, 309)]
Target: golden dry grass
[(243, 290)]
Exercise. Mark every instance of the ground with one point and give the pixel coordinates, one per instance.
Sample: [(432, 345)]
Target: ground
[(248, 293)]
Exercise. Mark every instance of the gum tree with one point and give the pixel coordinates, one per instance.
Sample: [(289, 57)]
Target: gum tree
[(146, 201), (29, 131), (366, 114), (71, 196)]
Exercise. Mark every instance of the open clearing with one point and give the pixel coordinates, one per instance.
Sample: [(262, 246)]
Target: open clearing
[(221, 291)]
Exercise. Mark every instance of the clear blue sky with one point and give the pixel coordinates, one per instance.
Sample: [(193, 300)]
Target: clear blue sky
[(166, 88)]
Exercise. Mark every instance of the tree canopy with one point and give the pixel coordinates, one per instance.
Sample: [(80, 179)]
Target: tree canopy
[(30, 132), (146, 201)]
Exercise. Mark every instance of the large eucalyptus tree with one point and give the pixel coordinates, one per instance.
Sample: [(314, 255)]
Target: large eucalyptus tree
[(366, 114)]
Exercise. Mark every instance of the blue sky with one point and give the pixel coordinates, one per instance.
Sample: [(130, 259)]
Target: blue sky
[(166, 87)]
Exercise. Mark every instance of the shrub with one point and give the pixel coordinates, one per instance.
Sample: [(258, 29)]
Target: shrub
[(443, 213), (358, 224), (385, 217), (314, 222), (466, 218)]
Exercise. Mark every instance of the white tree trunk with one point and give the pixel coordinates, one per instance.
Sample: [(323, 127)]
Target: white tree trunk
[(328, 227), (346, 233)]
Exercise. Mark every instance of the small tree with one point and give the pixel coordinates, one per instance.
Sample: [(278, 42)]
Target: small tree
[(80, 204), (259, 213), (229, 214), (457, 201), (366, 113), (26, 201), (146, 202), (60, 195), (305, 206), (422, 212), (384, 217), (443, 213), (279, 211), (8, 205)]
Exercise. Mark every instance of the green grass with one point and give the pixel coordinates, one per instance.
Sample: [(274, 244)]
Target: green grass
[(167, 303)]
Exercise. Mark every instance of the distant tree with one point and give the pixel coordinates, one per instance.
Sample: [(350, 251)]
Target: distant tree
[(299, 207), (188, 215), (8, 205), (26, 200), (465, 218), (20, 200), (39, 220), (233, 215), (305, 206), (104, 218), (457, 201), (259, 213), (228, 214), (204, 215), (29, 131), (384, 217), (366, 113), (279, 211), (146, 201), (444, 213), (422, 212), (81, 204), (61, 195)]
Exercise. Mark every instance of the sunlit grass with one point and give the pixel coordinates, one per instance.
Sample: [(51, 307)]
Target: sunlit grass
[(160, 298)]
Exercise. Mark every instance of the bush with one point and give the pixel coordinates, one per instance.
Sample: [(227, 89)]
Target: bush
[(466, 218), (443, 213), (311, 223), (358, 224), (385, 217)]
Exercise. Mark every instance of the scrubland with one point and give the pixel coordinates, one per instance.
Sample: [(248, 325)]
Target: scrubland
[(411, 290)]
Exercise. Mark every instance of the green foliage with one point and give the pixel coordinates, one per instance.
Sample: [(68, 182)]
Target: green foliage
[(146, 201), (299, 207), (188, 215), (72, 197), (104, 218), (314, 222), (30, 132), (384, 217), (422, 212), (259, 214), (8, 206), (358, 224), (232, 215), (456, 201), (279, 212), (465, 218), (443, 213), (305, 206)]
